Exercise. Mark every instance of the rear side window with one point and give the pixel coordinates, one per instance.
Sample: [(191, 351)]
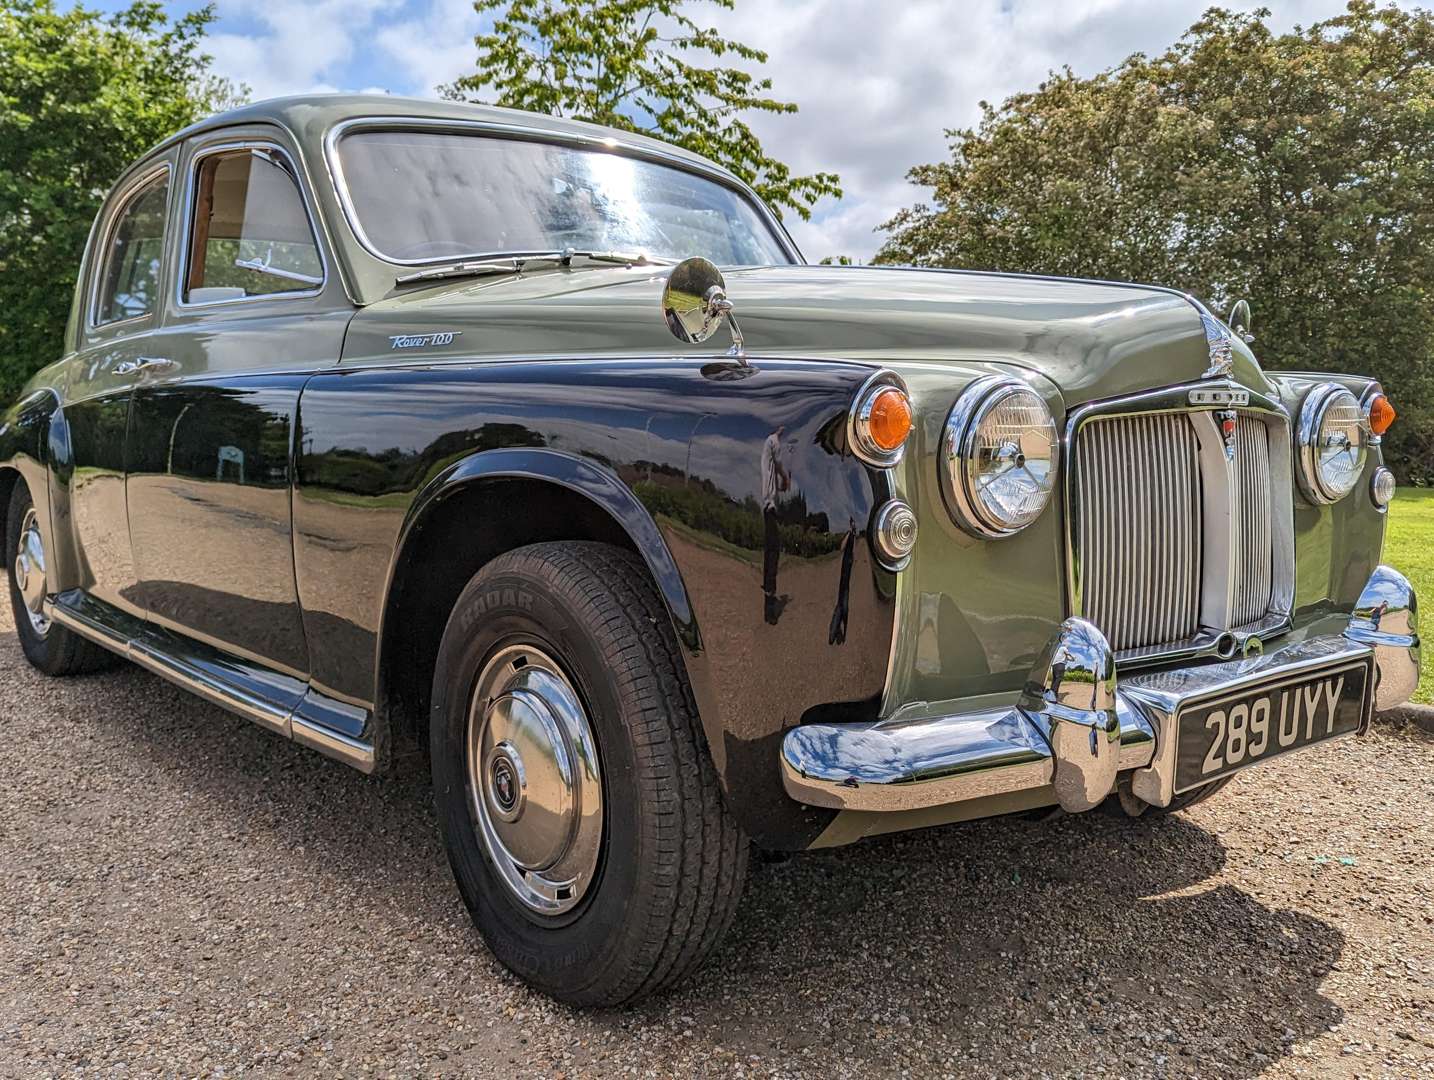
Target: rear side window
[(134, 249), (251, 234)]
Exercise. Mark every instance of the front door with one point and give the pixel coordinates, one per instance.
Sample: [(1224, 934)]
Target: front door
[(117, 313), (211, 447)]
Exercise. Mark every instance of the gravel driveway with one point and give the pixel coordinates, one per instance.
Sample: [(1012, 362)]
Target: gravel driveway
[(185, 893)]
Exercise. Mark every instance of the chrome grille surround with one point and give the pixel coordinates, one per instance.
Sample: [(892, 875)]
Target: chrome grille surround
[(1205, 562)]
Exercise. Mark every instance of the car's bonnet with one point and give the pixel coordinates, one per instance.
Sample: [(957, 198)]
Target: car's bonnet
[(1092, 339)]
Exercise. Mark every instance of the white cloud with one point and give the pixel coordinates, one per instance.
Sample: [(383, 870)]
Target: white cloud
[(301, 48), (877, 81), (434, 47)]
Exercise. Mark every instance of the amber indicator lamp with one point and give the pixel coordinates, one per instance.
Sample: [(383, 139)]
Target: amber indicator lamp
[(1381, 414), (890, 420)]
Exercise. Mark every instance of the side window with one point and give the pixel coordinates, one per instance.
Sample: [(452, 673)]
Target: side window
[(129, 283), (250, 234)]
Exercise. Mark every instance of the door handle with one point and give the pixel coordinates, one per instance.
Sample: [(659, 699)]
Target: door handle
[(143, 363)]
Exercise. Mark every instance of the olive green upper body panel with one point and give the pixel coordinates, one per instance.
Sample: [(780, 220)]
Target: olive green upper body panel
[(1092, 339)]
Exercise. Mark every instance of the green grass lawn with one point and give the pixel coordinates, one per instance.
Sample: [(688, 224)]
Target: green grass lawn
[(1409, 548)]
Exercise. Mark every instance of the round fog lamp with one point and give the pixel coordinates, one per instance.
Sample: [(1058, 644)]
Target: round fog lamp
[(1382, 487), (895, 533)]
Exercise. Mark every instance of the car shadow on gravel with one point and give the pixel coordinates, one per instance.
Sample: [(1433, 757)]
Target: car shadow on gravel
[(1094, 936), (1090, 936)]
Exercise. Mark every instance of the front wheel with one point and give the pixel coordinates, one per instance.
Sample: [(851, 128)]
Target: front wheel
[(577, 801)]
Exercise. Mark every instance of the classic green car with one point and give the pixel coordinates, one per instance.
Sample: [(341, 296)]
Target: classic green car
[(387, 421)]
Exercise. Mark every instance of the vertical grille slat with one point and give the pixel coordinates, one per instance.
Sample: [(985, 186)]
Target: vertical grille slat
[(1139, 522)]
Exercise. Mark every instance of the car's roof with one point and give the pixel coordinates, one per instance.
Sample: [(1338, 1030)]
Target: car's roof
[(320, 112)]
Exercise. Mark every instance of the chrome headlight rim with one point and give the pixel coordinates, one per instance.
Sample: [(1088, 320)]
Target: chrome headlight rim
[(962, 425), (858, 421), (1313, 413)]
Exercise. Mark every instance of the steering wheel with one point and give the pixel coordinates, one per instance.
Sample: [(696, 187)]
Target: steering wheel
[(433, 249)]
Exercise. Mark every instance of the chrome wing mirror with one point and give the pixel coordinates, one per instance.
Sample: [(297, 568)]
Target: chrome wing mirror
[(695, 304), (1239, 321)]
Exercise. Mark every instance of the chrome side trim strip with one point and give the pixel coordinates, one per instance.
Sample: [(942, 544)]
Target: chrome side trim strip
[(210, 689), (360, 755), (73, 620), (351, 752)]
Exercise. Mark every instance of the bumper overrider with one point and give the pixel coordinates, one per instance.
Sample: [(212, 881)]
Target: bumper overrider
[(1077, 727)]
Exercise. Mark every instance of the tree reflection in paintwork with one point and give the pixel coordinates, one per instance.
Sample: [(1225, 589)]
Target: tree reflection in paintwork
[(686, 441)]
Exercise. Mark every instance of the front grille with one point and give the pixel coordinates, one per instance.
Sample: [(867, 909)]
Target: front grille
[(1150, 492), (1139, 520)]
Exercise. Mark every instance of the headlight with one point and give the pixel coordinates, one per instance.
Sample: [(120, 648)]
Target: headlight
[(998, 457), (1333, 443)]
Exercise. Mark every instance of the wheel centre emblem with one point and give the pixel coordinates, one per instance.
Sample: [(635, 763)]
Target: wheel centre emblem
[(505, 788)]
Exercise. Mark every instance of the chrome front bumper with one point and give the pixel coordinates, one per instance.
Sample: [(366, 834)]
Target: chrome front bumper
[(1076, 727)]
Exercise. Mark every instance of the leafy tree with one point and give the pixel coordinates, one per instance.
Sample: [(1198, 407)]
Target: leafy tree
[(1295, 169), (635, 65), (82, 96)]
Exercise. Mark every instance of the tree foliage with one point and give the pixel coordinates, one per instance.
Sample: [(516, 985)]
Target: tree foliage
[(1294, 169), (82, 96), (637, 65)]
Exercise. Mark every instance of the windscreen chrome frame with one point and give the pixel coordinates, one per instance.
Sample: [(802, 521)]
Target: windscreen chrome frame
[(1198, 398), (490, 129)]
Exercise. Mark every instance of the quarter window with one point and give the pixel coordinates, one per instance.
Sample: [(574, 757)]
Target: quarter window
[(129, 285), (251, 234)]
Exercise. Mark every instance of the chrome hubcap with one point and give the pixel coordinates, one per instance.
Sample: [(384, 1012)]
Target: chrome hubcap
[(534, 785), (30, 571)]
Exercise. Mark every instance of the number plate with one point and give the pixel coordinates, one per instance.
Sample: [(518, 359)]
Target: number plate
[(1229, 733)]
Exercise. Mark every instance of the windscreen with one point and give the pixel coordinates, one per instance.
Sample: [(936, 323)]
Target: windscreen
[(422, 196)]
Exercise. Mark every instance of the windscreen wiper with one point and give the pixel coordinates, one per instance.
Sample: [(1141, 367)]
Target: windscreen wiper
[(515, 264)]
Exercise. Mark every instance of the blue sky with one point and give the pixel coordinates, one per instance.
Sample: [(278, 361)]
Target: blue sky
[(877, 81)]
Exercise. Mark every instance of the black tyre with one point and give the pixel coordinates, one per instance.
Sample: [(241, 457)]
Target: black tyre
[(49, 647), (577, 800)]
